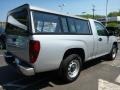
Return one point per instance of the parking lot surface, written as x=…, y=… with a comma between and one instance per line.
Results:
x=97, y=74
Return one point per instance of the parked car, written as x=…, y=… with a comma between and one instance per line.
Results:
x=2, y=39
x=40, y=40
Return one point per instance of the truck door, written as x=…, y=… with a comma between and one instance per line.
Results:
x=102, y=39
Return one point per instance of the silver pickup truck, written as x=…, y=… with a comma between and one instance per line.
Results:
x=40, y=40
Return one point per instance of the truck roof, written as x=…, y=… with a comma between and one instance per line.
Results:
x=43, y=10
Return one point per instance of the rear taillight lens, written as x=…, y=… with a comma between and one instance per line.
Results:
x=34, y=49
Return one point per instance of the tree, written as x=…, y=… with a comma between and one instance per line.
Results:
x=113, y=14
x=91, y=16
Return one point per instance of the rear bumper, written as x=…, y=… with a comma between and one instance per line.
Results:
x=28, y=71
x=25, y=68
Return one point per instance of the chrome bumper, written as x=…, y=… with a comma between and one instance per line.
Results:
x=24, y=67
x=26, y=71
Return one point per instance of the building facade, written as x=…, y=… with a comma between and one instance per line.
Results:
x=111, y=20
x=2, y=25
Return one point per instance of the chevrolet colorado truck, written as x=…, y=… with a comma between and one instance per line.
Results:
x=40, y=40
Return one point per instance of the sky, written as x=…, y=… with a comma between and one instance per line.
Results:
x=73, y=7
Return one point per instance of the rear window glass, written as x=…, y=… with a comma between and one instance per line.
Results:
x=19, y=19
x=17, y=22
x=46, y=22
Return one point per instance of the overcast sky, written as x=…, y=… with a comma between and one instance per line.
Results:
x=74, y=7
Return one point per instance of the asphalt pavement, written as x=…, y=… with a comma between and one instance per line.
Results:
x=97, y=74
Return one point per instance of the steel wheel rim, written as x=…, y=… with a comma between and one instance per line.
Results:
x=73, y=68
x=114, y=52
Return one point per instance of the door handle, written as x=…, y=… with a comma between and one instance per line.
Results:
x=100, y=39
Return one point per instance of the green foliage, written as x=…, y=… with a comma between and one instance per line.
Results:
x=112, y=24
x=113, y=14
x=91, y=16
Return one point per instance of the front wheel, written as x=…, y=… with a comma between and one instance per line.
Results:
x=112, y=55
x=70, y=68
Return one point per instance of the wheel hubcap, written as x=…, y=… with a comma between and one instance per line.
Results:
x=114, y=53
x=73, y=68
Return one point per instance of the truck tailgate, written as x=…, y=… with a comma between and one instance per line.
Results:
x=18, y=46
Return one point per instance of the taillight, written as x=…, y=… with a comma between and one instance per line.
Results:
x=34, y=49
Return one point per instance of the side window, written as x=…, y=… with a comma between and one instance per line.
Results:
x=101, y=30
x=82, y=26
x=64, y=24
x=71, y=25
x=46, y=22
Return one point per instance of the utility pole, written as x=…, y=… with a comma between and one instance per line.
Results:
x=106, y=12
x=93, y=10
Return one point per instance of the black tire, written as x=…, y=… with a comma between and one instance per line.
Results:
x=9, y=59
x=74, y=68
x=112, y=55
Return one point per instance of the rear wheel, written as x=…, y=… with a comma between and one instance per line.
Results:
x=70, y=68
x=9, y=59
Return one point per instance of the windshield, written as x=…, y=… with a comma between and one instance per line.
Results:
x=17, y=22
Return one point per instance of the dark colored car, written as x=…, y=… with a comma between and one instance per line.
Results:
x=2, y=39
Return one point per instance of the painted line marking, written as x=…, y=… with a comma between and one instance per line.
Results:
x=105, y=85
x=1, y=55
x=117, y=79
x=1, y=88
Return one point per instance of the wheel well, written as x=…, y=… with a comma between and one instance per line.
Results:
x=116, y=44
x=78, y=51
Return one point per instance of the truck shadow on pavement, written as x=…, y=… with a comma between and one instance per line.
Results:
x=10, y=79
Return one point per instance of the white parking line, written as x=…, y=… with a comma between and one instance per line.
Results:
x=1, y=88
x=1, y=55
x=105, y=85
x=117, y=79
